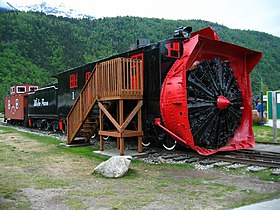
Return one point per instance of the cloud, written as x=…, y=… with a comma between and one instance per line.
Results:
x=259, y=15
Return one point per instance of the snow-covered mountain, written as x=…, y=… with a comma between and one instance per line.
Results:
x=50, y=8
x=5, y=6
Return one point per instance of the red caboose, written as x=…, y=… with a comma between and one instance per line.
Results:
x=16, y=103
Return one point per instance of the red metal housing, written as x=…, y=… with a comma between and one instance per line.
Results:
x=16, y=103
x=14, y=107
x=204, y=45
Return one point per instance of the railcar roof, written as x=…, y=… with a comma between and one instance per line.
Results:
x=92, y=64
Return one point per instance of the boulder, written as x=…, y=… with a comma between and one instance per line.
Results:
x=116, y=166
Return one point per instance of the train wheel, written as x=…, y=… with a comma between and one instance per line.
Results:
x=214, y=103
x=55, y=126
x=149, y=133
x=168, y=142
x=146, y=141
x=48, y=126
x=45, y=125
x=38, y=124
x=106, y=127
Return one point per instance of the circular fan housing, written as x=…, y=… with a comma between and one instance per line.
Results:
x=205, y=100
x=214, y=103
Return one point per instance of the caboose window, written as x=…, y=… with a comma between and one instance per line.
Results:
x=33, y=88
x=16, y=103
x=21, y=89
x=73, y=80
x=12, y=90
x=173, y=50
x=87, y=75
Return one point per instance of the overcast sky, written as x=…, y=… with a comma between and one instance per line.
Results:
x=259, y=15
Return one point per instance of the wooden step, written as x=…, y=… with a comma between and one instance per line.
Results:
x=82, y=134
x=85, y=130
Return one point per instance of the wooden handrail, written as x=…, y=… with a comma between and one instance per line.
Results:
x=112, y=79
x=81, y=107
x=120, y=77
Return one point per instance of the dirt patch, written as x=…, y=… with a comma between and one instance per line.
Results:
x=23, y=144
x=61, y=166
x=45, y=199
x=35, y=175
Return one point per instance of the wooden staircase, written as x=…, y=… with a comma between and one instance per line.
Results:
x=79, y=122
x=116, y=80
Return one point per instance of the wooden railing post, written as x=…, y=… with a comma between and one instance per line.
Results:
x=140, y=129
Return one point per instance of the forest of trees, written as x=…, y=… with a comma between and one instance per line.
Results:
x=34, y=46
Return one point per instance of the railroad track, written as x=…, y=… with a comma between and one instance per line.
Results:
x=268, y=143
x=253, y=160
x=250, y=157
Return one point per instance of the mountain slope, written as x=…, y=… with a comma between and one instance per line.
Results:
x=35, y=46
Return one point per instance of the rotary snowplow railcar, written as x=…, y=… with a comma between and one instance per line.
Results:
x=197, y=92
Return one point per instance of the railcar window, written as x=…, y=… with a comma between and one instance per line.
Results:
x=21, y=89
x=173, y=49
x=33, y=88
x=12, y=90
x=9, y=104
x=73, y=80
x=87, y=75
x=16, y=103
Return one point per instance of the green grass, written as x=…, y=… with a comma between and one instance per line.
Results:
x=264, y=133
x=7, y=129
x=266, y=176
x=74, y=203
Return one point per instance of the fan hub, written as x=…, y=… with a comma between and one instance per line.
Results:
x=222, y=102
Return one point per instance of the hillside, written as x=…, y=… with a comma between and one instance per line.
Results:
x=35, y=46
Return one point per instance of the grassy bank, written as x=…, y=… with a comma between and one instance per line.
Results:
x=265, y=133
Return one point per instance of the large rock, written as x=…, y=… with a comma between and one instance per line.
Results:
x=116, y=166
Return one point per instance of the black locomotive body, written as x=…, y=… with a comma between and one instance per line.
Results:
x=42, y=108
